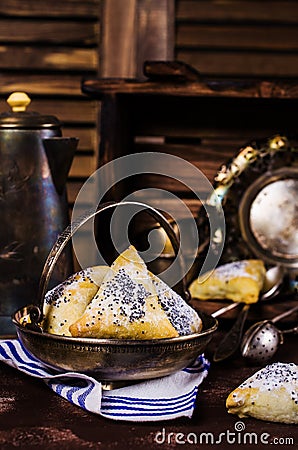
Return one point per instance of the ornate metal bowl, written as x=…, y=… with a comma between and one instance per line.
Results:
x=108, y=359
x=115, y=359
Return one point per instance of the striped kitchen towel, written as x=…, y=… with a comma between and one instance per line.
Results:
x=163, y=398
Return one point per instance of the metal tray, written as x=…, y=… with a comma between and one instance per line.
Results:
x=258, y=191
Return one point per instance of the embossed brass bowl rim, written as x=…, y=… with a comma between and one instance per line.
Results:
x=254, y=165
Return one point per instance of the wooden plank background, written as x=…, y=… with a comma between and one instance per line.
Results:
x=238, y=38
x=46, y=48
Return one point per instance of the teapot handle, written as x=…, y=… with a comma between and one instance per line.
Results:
x=67, y=234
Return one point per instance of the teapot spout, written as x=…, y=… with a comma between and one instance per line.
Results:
x=60, y=152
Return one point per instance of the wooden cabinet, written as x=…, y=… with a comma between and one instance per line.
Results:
x=48, y=47
x=204, y=121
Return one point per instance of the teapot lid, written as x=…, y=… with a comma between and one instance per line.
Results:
x=18, y=117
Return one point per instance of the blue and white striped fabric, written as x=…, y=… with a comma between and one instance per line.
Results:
x=163, y=398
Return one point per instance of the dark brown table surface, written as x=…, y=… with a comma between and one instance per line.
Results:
x=33, y=417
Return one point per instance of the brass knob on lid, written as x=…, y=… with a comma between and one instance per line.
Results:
x=18, y=101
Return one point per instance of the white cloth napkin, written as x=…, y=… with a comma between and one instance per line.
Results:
x=163, y=398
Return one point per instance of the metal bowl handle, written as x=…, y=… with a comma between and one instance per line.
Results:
x=67, y=234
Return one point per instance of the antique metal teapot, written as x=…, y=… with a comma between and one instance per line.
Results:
x=34, y=163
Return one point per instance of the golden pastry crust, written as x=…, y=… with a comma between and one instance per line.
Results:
x=126, y=305
x=65, y=303
x=181, y=315
x=270, y=394
x=240, y=281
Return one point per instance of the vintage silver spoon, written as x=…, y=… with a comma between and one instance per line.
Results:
x=228, y=346
x=262, y=340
